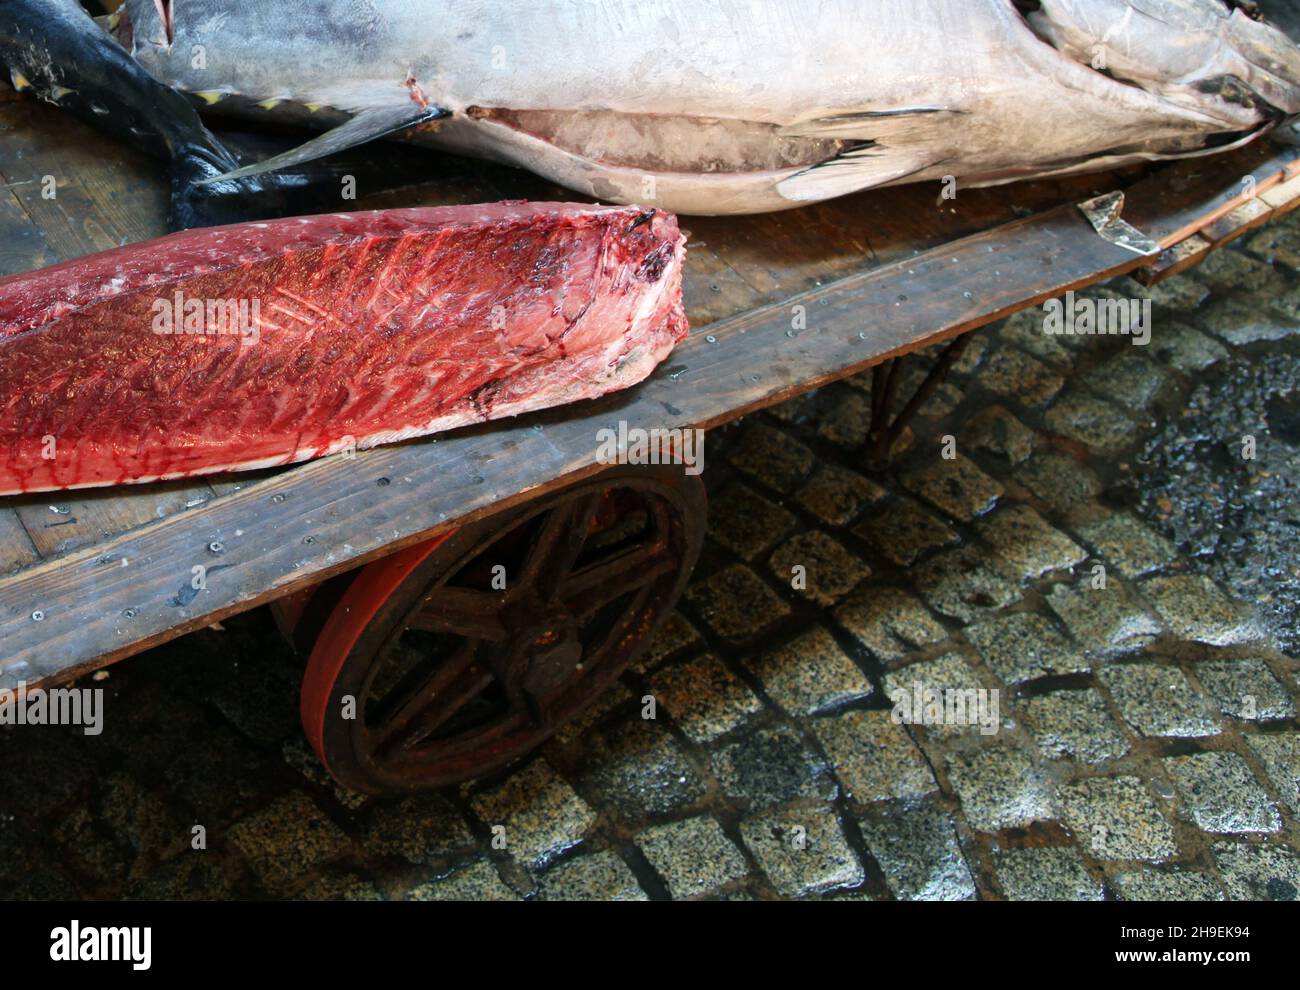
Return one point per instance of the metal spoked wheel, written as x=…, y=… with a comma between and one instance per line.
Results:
x=458, y=656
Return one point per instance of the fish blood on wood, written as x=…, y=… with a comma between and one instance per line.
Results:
x=253, y=345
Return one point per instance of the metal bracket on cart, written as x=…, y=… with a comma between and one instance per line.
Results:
x=885, y=428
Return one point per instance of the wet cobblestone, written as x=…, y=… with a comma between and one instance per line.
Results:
x=1245, y=689
x=1186, y=349
x=539, y=815
x=1222, y=794
x=1074, y=724
x=1092, y=422
x=1196, y=610
x=476, y=882
x=1022, y=646
x=999, y=432
x=1027, y=545
x=1150, y=884
x=917, y=849
x=1116, y=818
x=285, y=839
x=1158, y=700
x=748, y=524
x=889, y=622
x=837, y=496
x=704, y=698
x=693, y=857
x=1046, y=874
x=824, y=570
x=600, y=876
x=1103, y=619
x=956, y=487
x=1000, y=788
x=874, y=757
x=1096, y=550
x=904, y=532
x=966, y=584
x=810, y=675
x=1127, y=545
x=1259, y=872
x=802, y=853
x=1280, y=755
x=771, y=766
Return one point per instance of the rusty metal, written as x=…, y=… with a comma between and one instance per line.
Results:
x=463, y=656
x=884, y=431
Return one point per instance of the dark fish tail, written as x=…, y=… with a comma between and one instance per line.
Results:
x=57, y=50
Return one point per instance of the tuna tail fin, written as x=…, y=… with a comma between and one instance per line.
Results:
x=366, y=126
x=198, y=200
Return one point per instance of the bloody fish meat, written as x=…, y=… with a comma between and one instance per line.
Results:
x=260, y=344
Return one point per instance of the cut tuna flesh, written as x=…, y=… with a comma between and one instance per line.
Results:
x=253, y=345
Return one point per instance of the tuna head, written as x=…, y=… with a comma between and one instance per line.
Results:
x=1215, y=58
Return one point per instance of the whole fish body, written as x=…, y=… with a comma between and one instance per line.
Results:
x=741, y=106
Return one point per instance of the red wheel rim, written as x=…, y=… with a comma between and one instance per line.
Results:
x=423, y=676
x=367, y=592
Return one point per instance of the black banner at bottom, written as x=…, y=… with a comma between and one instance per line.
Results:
x=337, y=940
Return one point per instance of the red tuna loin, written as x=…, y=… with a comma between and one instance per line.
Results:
x=317, y=333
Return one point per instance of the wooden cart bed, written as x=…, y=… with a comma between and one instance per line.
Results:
x=89, y=578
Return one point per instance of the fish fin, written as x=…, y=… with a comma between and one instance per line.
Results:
x=197, y=203
x=861, y=168
x=882, y=126
x=360, y=129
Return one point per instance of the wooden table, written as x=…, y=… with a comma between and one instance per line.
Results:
x=90, y=578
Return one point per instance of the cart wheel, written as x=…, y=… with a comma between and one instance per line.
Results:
x=457, y=656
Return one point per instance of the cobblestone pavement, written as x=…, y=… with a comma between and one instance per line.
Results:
x=1099, y=552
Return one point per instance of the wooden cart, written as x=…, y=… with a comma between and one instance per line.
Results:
x=384, y=567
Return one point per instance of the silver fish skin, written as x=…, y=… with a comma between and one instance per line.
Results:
x=743, y=106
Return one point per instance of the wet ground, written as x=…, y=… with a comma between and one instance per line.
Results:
x=1112, y=551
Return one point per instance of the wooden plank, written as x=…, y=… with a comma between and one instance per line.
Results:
x=22, y=245
x=330, y=515
x=1214, y=212
x=1196, y=193
x=1245, y=218
x=105, y=195
x=1171, y=261
x=1283, y=198
x=60, y=522
x=229, y=484
x=784, y=253
x=16, y=549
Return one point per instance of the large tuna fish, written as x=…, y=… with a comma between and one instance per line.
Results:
x=736, y=106
x=266, y=343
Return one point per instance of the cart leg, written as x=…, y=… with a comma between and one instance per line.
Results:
x=884, y=430
x=458, y=656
